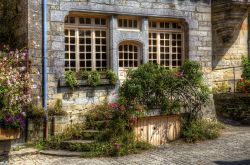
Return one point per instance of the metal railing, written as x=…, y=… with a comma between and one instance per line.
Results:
x=233, y=79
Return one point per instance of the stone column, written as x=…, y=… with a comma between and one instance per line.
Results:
x=113, y=49
x=145, y=42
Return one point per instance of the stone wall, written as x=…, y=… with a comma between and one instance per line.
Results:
x=230, y=40
x=234, y=106
x=35, y=44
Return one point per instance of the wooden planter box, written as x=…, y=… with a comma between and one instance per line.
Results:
x=158, y=130
x=9, y=134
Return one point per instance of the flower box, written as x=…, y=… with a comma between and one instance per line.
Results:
x=9, y=134
x=104, y=81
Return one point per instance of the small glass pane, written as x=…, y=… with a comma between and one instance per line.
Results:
x=72, y=20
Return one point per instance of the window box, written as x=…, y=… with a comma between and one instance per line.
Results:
x=9, y=134
x=104, y=81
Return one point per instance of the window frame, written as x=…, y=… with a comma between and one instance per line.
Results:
x=127, y=18
x=171, y=31
x=139, y=53
x=93, y=28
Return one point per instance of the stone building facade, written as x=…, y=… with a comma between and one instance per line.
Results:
x=213, y=33
x=194, y=17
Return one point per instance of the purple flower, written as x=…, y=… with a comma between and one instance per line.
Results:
x=20, y=118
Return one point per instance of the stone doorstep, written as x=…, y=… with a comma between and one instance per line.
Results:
x=91, y=131
x=24, y=152
x=79, y=141
x=61, y=153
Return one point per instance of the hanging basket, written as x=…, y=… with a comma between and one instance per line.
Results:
x=9, y=134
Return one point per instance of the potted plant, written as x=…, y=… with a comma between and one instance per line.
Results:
x=15, y=87
x=57, y=115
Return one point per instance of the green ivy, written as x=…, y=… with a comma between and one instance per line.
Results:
x=71, y=79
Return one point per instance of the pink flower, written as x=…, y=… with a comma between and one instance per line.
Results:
x=114, y=105
x=117, y=146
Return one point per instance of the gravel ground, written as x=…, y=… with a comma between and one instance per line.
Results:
x=232, y=148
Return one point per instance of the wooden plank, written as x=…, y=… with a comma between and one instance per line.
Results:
x=158, y=130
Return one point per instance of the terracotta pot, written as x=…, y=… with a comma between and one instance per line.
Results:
x=9, y=134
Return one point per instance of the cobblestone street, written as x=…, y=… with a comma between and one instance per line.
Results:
x=233, y=147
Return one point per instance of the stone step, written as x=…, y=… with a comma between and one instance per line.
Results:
x=61, y=153
x=98, y=125
x=79, y=141
x=91, y=134
x=64, y=153
x=77, y=145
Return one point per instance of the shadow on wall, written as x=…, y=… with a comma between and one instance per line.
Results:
x=227, y=21
x=241, y=162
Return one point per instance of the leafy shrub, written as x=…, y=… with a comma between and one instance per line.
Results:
x=71, y=79
x=74, y=131
x=153, y=86
x=56, y=109
x=35, y=111
x=222, y=88
x=246, y=68
x=115, y=139
x=199, y=130
x=93, y=77
x=243, y=86
x=112, y=77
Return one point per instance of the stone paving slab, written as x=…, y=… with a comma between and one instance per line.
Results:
x=232, y=148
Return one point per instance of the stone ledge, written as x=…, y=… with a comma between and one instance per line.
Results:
x=61, y=153
x=23, y=152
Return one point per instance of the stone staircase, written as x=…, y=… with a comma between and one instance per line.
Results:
x=80, y=147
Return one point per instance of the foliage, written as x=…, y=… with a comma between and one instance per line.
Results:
x=153, y=86
x=222, y=88
x=71, y=79
x=118, y=133
x=93, y=77
x=246, y=68
x=8, y=22
x=15, y=87
x=56, y=109
x=112, y=77
x=35, y=111
x=243, y=86
x=199, y=130
x=116, y=137
x=74, y=131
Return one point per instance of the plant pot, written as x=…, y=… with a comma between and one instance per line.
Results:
x=9, y=134
x=6, y=135
x=5, y=147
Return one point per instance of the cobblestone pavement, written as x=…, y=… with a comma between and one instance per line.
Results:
x=232, y=148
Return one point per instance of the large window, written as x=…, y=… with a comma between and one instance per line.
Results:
x=166, y=43
x=86, y=43
x=129, y=55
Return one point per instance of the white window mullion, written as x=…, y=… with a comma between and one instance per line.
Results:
x=93, y=50
x=77, y=50
x=158, y=43
x=170, y=50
